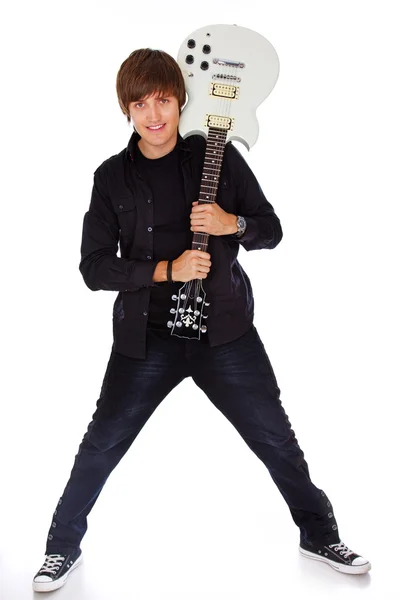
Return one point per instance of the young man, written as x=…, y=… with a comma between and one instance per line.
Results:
x=145, y=199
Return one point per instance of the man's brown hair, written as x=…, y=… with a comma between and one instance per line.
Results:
x=147, y=71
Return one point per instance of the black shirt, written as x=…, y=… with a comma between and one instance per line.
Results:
x=171, y=225
x=171, y=228
x=122, y=212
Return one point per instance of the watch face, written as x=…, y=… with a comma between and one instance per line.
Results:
x=241, y=223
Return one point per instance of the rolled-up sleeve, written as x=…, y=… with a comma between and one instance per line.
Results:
x=263, y=226
x=100, y=266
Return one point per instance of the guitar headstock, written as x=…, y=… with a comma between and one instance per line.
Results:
x=189, y=313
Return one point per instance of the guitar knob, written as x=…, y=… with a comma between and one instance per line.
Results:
x=172, y=310
x=196, y=313
x=194, y=326
x=169, y=324
x=183, y=296
x=174, y=297
x=179, y=324
x=181, y=311
x=203, y=329
x=199, y=299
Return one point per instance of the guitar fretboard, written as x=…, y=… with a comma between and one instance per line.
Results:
x=215, y=147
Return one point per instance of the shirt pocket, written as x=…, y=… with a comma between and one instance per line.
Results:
x=127, y=216
x=226, y=196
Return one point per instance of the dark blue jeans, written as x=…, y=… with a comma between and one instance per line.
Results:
x=239, y=380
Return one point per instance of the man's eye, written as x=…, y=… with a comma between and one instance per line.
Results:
x=137, y=103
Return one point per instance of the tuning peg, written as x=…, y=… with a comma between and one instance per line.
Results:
x=172, y=310
x=170, y=324
x=206, y=304
x=174, y=297
x=203, y=329
x=205, y=316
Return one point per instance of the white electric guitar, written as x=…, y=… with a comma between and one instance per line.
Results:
x=228, y=71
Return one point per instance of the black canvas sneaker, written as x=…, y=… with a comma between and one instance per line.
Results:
x=338, y=556
x=55, y=570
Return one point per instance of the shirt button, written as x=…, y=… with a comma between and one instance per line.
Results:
x=149, y=257
x=149, y=229
x=145, y=313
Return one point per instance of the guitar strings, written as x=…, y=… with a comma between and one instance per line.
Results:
x=203, y=237
x=223, y=109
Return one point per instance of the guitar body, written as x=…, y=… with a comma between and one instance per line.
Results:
x=252, y=68
x=228, y=71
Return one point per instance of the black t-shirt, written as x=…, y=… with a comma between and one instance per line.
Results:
x=171, y=227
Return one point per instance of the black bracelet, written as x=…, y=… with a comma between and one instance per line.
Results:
x=169, y=271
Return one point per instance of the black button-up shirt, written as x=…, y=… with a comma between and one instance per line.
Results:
x=121, y=212
x=171, y=227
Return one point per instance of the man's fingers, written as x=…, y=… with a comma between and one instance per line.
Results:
x=202, y=264
x=198, y=218
x=200, y=208
x=201, y=254
x=202, y=269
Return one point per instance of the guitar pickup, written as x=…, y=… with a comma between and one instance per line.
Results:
x=219, y=122
x=224, y=90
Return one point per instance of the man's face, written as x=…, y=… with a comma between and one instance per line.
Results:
x=151, y=111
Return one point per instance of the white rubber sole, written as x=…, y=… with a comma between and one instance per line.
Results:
x=356, y=570
x=54, y=585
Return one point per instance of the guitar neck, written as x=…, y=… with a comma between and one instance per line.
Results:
x=214, y=154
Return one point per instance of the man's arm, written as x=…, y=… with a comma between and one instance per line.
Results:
x=100, y=266
x=263, y=228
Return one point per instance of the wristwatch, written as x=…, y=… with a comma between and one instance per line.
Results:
x=241, y=225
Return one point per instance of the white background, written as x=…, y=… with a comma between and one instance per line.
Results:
x=191, y=512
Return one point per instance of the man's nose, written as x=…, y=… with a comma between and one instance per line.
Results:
x=154, y=113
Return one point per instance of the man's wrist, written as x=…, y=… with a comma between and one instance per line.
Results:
x=160, y=272
x=233, y=228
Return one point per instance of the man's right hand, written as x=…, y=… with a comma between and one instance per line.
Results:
x=192, y=264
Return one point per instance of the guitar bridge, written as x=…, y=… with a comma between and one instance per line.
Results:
x=225, y=62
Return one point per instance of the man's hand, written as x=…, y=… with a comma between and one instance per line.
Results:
x=192, y=264
x=212, y=219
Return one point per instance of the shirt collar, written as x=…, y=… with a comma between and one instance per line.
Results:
x=135, y=137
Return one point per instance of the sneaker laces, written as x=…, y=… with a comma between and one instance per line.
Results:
x=345, y=550
x=52, y=564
